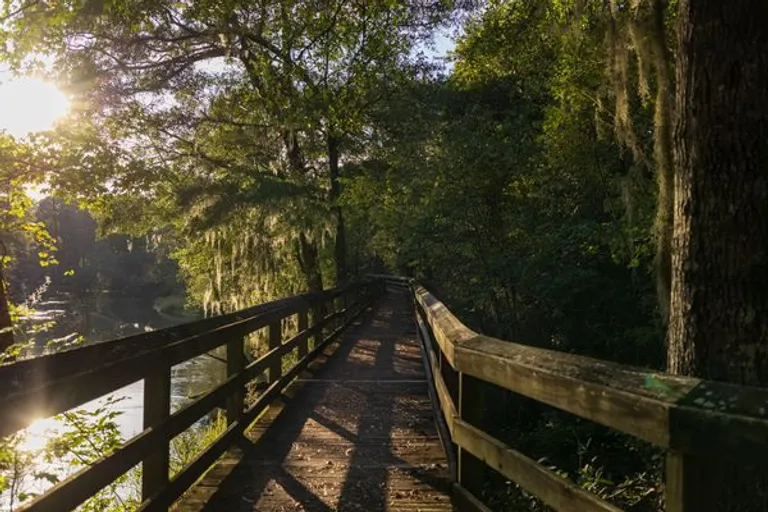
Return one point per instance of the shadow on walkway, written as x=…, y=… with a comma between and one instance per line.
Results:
x=358, y=436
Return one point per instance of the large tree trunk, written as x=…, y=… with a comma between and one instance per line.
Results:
x=6, y=326
x=340, y=249
x=719, y=301
x=719, y=323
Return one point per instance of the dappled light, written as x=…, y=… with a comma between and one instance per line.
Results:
x=357, y=434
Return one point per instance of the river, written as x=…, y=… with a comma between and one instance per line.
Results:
x=100, y=319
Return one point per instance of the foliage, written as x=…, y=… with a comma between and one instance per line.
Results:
x=89, y=435
x=15, y=465
x=188, y=445
x=88, y=263
x=238, y=110
x=17, y=168
x=501, y=189
x=79, y=439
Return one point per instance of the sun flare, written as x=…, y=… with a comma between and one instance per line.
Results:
x=37, y=435
x=29, y=105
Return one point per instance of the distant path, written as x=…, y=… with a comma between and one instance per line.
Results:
x=358, y=436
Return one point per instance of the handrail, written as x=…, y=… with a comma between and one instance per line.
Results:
x=437, y=395
x=55, y=383
x=688, y=417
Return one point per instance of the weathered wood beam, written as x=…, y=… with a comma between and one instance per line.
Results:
x=685, y=414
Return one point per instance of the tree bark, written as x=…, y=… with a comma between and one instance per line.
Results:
x=6, y=325
x=340, y=248
x=718, y=325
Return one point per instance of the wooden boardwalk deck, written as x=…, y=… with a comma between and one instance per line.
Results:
x=355, y=433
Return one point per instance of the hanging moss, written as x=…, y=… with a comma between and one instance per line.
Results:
x=640, y=63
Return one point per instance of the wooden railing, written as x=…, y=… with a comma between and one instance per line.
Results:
x=692, y=419
x=52, y=384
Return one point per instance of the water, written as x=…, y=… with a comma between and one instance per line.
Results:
x=99, y=319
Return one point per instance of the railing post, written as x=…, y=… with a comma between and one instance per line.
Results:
x=687, y=489
x=157, y=409
x=317, y=317
x=304, y=345
x=331, y=307
x=275, y=338
x=349, y=301
x=471, y=471
x=235, y=365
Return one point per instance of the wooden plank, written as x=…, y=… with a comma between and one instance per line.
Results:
x=446, y=403
x=466, y=501
x=74, y=490
x=53, y=397
x=471, y=471
x=342, y=447
x=275, y=337
x=569, y=383
x=558, y=493
x=686, y=414
x=394, y=282
x=448, y=331
x=686, y=488
x=444, y=424
x=51, y=384
x=157, y=409
x=235, y=365
x=190, y=473
x=34, y=372
x=206, y=487
x=317, y=319
x=302, y=326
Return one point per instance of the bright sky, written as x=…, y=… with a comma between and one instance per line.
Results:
x=443, y=44
x=29, y=105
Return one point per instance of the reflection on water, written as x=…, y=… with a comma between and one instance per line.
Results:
x=38, y=433
x=111, y=318
x=102, y=316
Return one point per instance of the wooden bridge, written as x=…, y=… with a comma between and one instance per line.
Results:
x=373, y=401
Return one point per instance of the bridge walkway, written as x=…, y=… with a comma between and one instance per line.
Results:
x=355, y=432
